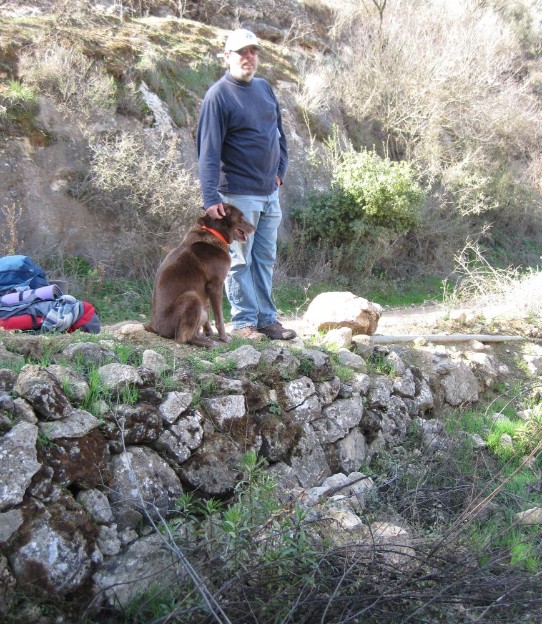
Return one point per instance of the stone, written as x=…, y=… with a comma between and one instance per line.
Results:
x=43, y=391
x=174, y=404
x=142, y=483
x=117, y=377
x=343, y=309
x=18, y=460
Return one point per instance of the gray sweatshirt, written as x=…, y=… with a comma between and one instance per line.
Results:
x=241, y=143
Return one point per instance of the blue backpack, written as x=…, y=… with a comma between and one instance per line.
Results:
x=20, y=272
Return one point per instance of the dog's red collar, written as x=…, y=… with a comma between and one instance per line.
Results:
x=216, y=233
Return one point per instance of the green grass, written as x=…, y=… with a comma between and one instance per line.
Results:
x=401, y=293
x=293, y=298
x=117, y=299
x=519, y=491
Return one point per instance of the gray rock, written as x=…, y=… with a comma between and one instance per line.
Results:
x=531, y=516
x=243, y=357
x=145, y=563
x=337, y=419
x=460, y=385
x=297, y=391
x=215, y=467
x=308, y=459
x=10, y=521
x=343, y=309
x=18, y=461
x=7, y=358
x=43, y=391
x=7, y=376
x=182, y=438
x=321, y=368
x=108, y=540
x=380, y=391
x=352, y=360
x=95, y=503
x=282, y=359
x=117, y=377
x=174, y=404
x=75, y=383
x=154, y=361
x=348, y=453
x=142, y=483
x=328, y=391
x=59, y=551
x=225, y=409
x=433, y=434
x=76, y=425
x=308, y=411
x=7, y=587
x=132, y=424
x=89, y=352
x=338, y=338
x=405, y=385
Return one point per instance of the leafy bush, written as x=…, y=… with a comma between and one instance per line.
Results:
x=371, y=200
x=367, y=193
x=384, y=193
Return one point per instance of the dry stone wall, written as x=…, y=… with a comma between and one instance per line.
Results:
x=79, y=489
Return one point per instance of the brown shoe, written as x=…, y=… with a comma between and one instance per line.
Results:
x=247, y=333
x=277, y=332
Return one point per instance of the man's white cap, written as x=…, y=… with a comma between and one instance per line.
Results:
x=240, y=38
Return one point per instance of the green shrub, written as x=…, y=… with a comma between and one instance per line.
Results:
x=384, y=193
x=368, y=194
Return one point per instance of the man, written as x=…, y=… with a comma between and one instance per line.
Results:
x=242, y=158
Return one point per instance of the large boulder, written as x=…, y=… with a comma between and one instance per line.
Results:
x=343, y=309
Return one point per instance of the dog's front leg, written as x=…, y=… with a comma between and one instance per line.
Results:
x=215, y=297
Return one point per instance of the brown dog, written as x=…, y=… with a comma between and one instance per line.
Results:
x=192, y=277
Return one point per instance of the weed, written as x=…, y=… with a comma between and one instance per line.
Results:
x=19, y=107
x=525, y=554
x=344, y=373
x=126, y=353
x=129, y=395
x=500, y=438
x=9, y=237
x=44, y=441
x=95, y=391
x=306, y=366
x=153, y=604
x=226, y=365
x=529, y=431
x=378, y=363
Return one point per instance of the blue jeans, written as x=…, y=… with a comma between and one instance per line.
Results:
x=250, y=280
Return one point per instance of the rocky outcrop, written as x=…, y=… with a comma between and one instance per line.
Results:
x=85, y=473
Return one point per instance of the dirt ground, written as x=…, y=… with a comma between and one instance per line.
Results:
x=437, y=319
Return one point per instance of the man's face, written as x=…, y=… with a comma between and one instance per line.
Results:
x=243, y=63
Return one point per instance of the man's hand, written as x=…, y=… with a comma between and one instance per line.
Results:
x=216, y=212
